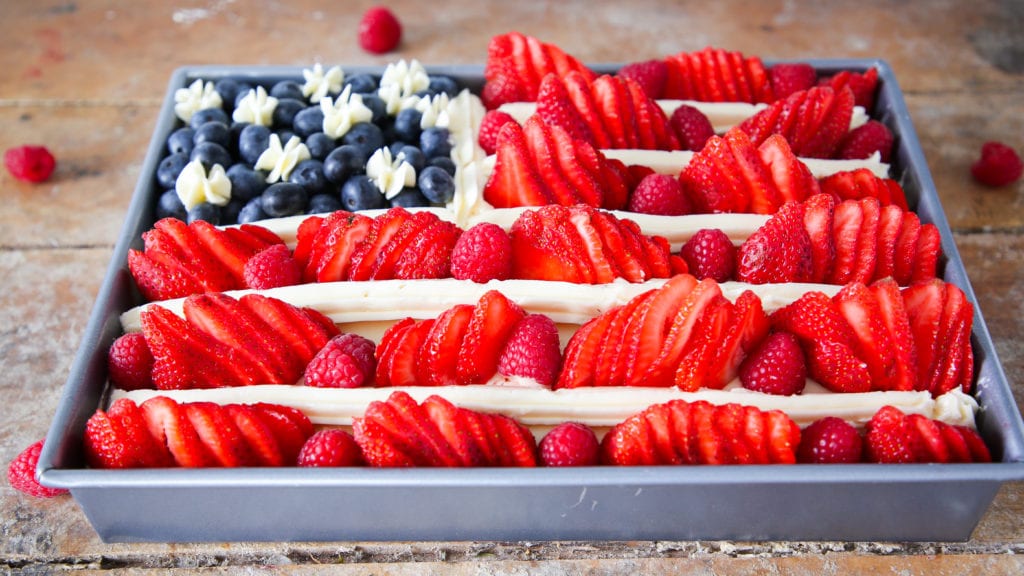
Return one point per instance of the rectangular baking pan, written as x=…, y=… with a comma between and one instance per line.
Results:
x=844, y=502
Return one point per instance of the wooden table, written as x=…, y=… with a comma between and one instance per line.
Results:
x=86, y=79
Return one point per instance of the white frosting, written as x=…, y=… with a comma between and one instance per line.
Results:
x=256, y=107
x=400, y=83
x=280, y=161
x=198, y=96
x=318, y=84
x=673, y=162
x=464, y=114
x=341, y=115
x=433, y=111
x=391, y=175
x=194, y=186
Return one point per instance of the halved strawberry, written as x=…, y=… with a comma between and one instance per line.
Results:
x=494, y=318
x=778, y=251
x=440, y=353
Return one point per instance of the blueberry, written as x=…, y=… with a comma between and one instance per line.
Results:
x=434, y=142
x=320, y=145
x=252, y=142
x=396, y=147
x=310, y=175
x=246, y=183
x=361, y=83
x=344, y=162
x=284, y=199
x=360, y=193
x=365, y=136
x=322, y=203
x=377, y=106
x=209, y=154
x=236, y=132
x=410, y=198
x=204, y=211
x=443, y=85
x=308, y=121
x=414, y=156
x=287, y=89
x=436, y=184
x=285, y=112
x=229, y=212
x=407, y=124
x=443, y=162
x=170, y=206
x=181, y=140
x=229, y=89
x=284, y=135
x=252, y=211
x=209, y=115
x=216, y=132
x=169, y=168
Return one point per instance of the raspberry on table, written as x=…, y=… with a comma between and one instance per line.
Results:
x=21, y=473
x=999, y=165
x=30, y=163
x=379, y=30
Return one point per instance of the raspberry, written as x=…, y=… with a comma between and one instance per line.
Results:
x=999, y=165
x=21, y=473
x=130, y=362
x=482, y=253
x=29, y=163
x=490, y=126
x=272, y=267
x=777, y=366
x=691, y=126
x=346, y=361
x=650, y=75
x=660, y=194
x=789, y=78
x=865, y=140
x=329, y=448
x=830, y=440
x=379, y=30
x=533, y=350
x=710, y=254
x=569, y=444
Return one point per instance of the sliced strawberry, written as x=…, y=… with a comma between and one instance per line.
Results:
x=926, y=260
x=213, y=273
x=890, y=221
x=106, y=445
x=846, y=233
x=658, y=421
x=429, y=253
x=169, y=423
x=333, y=245
x=858, y=305
x=519, y=443
x=581, y=352
x=396, y=433
x=580, y=92
x=582, y=166
x=604, y=269
x=867, y=242
x=617, y=347
x=160, y=276
x=701, y=349
x=514, y=180
x=450, y=424
x=232, y=247
x=289, y=426
x=401, y=362
x=397, y=244
x=616, y=112
x=863, y=85
x=906, y=248
x=417, y=419
x=556, y=109
x=385, y=227
x=891, y=438
x=894, y=316
x=778, y=251
x=819, y=218
x=940, y=318
x=218, y=432
x=711, y=179
x=440, y=353
x=812, y=121
x=748, y=325
x=765, y=197
x=791, y=176
x=543, y=152
x=537, y=251
x=304, y=330
x=140, y=448
x=304, y=240
x=656, y=320
x=677, y=342
x=494, y=318
x=484, y=436
x=653, y=130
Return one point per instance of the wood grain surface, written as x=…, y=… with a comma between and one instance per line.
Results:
x=86, y=79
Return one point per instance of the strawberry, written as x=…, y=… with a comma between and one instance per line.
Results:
x=694, y=371
x=864, y=141
x=346, y=361
x=940, y=319
x=709, y=253
x=401, y=366
x=874, y=341
x=906, y=248
x=556, y=108
x=184, y=357
x=514, y=181
x=482, y=253
x=679, y=432
x=272, y=267
x=169, y=423
x=819, y=219
x=580, y=357
x=30, y=163
x=863, y=85
x=516, y=64
x=494, y=320
x=160, y=276
x=217, y=431
x=620, y=343
x=532, y=350
x=894, y=316
x=830, y=440
x=21, y=474
x=791, y=176
x=329, y=448
x=999, y=165
x=928, y=250
x=305, y=330
x=748, y=326
x=332, y=247
x=730, y=175
x=570, y=444
x=490, y=126
x=862, y=183
x=691, y=127
x=373, y=252
x=616, y=110
x=439, y=355
x=130, y=362
x=670, y=329
x=778, y=251
x=714, y=75
x=581, y=92
x=541, y=143
x=776, y=366
x=787, y=78
x=812, y=121
x=660, y=194
x=895, y=437
x=379, y=30
x=429, y=253
x=650, y=75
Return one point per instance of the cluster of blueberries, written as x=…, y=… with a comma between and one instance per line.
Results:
x=332, y=179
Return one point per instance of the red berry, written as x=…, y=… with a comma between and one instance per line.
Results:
x=482, y=253
x=650, y=75
x=272, y=267
x=130, y=362
x=490, y=127
x=21, y=473
x=570, y=444
x=865, y=140
x=346, y=361
x=777, y=366
x=999, y=165
x=710, y=254
x=830, y=440
x=329, y=448
x=789, y=78
x=533, y=350
x=29, y=163
x=379, y=30
x=660, y=194
x=692, y=127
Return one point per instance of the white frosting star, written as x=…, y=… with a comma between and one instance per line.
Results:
x=281, y=160
x=390, y=175
x=198, y=96
x=319, y=84
x=256, y=107
x=434, y=111
x=399, y=84
x=194, y=186
x=340, y=116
